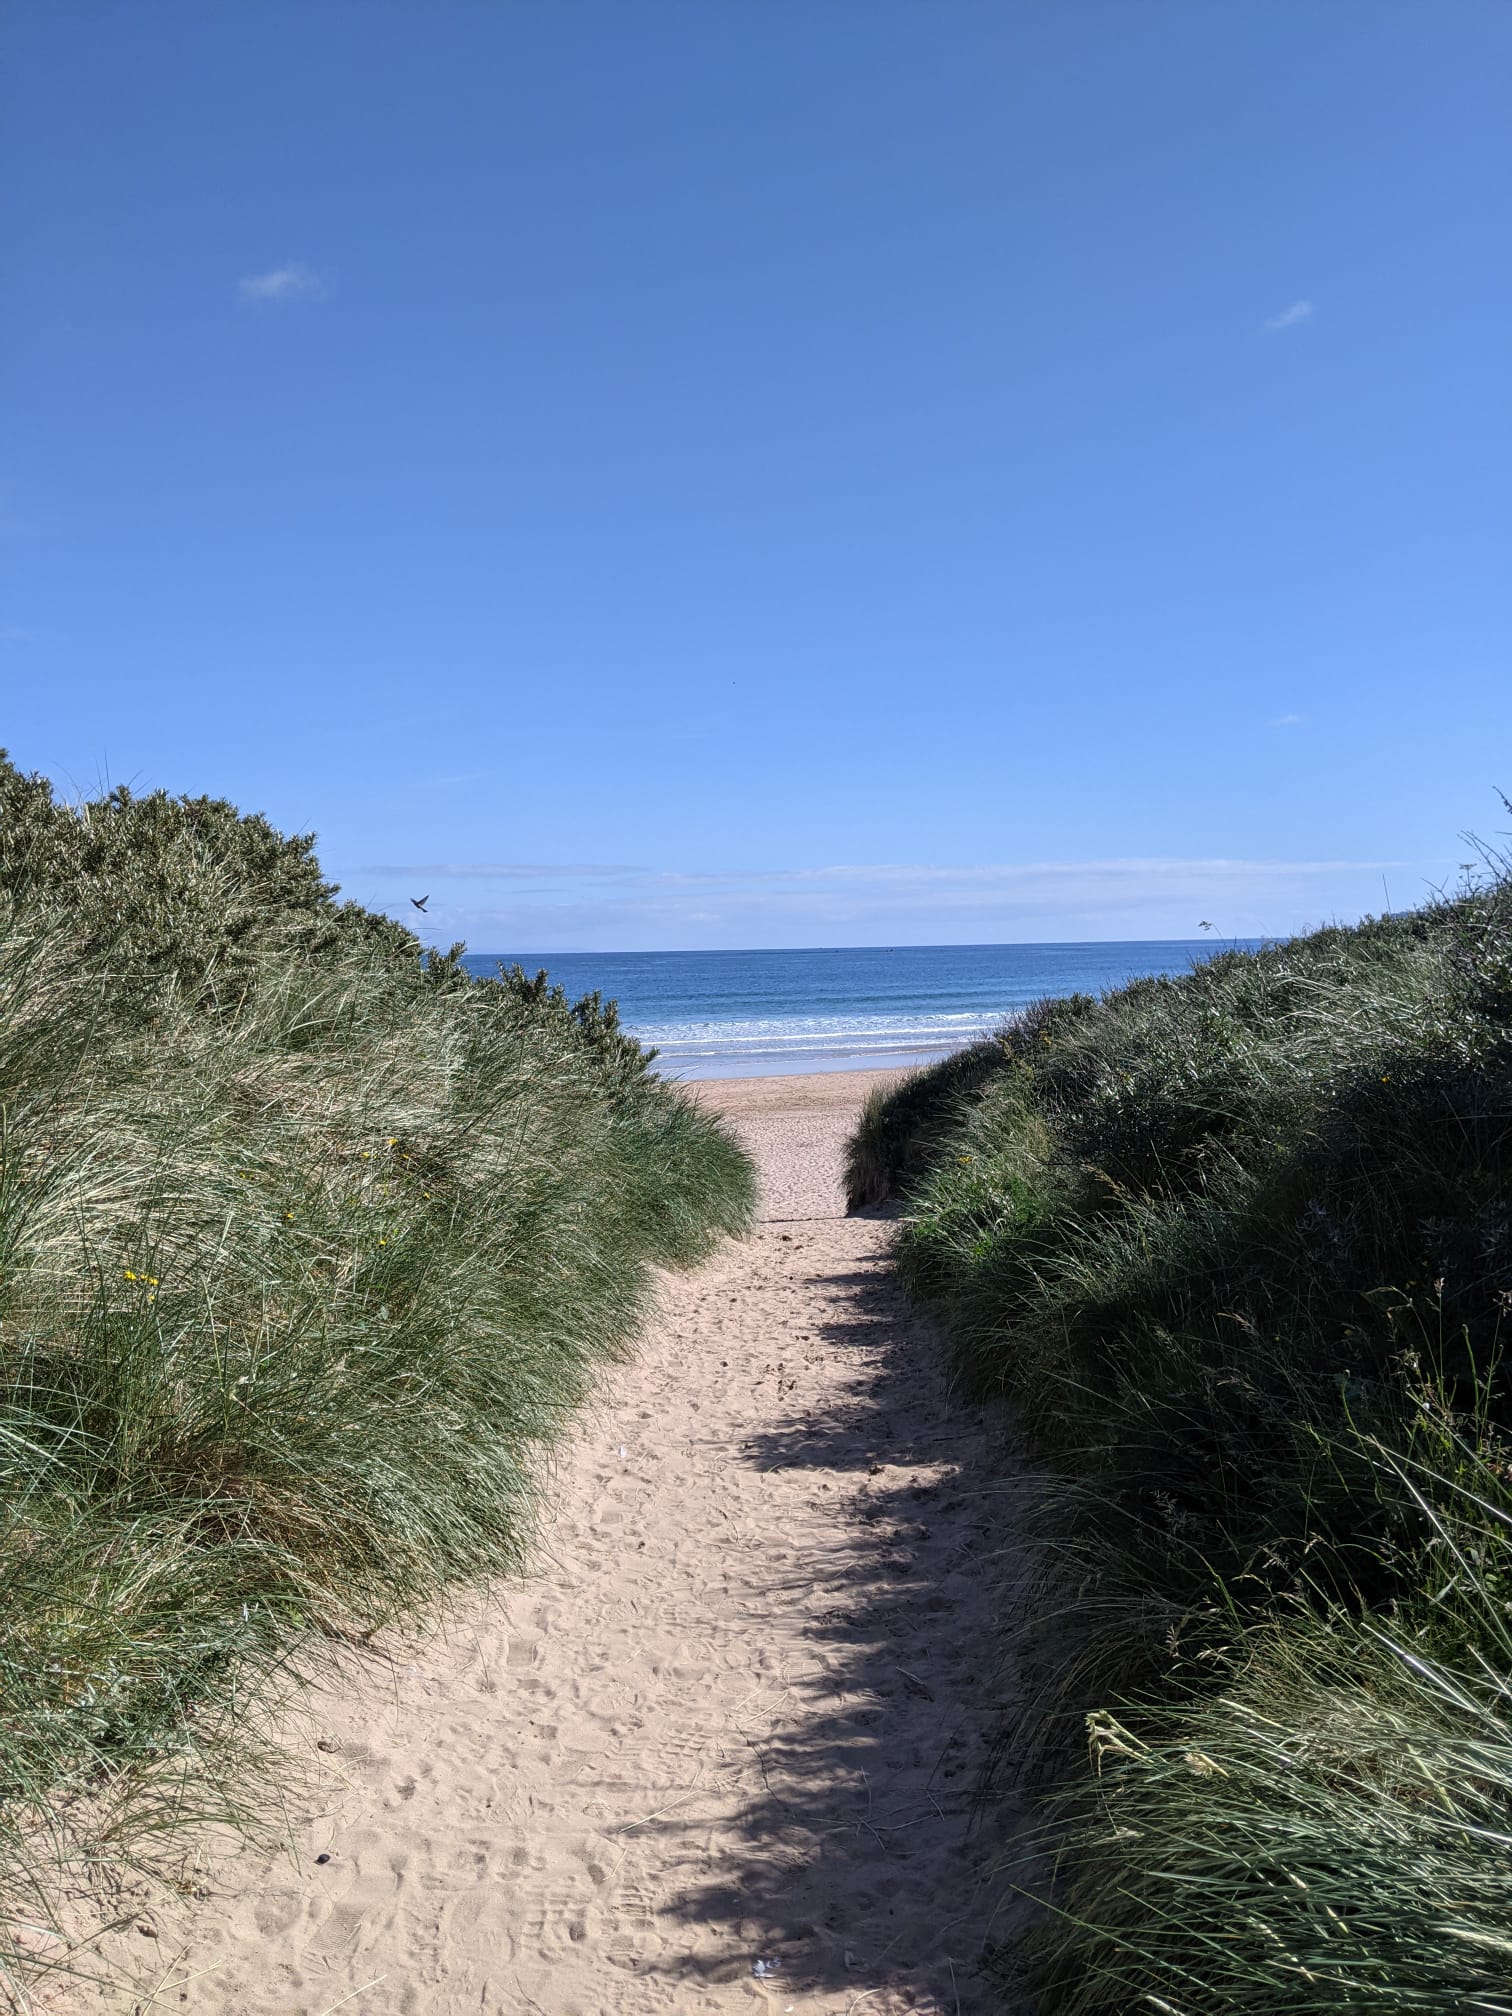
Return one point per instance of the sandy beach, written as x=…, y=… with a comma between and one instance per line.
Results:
x=719, y=1752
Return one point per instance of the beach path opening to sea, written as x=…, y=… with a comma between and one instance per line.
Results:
x=721, y=1750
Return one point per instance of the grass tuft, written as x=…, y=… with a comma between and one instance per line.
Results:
x=309, y=1249
x=1238, y=1247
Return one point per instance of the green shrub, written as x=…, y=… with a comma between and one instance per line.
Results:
x=899, y=1124
x=1329, y=1828
x=308, y=1250
x=1214, y=1236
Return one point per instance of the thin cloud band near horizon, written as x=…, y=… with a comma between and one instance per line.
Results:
x=852, y=872
x=624, y=907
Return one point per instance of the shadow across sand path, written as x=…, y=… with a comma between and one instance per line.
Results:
x=851, y=1866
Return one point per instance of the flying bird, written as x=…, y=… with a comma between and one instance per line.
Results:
x=419, y=901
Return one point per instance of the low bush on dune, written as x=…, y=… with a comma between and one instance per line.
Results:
x=308, y=1249
x=1238, y=1246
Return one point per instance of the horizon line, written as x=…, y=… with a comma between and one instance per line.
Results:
x=901, y=945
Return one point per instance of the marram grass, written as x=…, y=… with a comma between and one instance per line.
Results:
x=1238, y=1247
x=308, y=1252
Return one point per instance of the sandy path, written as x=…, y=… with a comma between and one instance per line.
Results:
x=719, y=1753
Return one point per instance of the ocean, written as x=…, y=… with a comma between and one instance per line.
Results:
x=743, y=1014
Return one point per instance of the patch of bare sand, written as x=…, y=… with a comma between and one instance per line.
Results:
x=720, y=1753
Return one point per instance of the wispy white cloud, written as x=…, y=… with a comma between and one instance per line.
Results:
x=496, y=905
x=892, y=874
x=284, y=283
x=1299, y=311
x=1288, y=721
x=498, y=871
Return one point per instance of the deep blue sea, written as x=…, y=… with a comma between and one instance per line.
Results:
x=739, y=1014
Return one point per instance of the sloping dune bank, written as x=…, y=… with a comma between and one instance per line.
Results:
x=720, y=1752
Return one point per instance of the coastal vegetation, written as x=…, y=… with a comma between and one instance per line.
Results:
x=309, y=1247
x=1237, y=1246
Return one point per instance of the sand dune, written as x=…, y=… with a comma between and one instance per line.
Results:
x=719, y=1753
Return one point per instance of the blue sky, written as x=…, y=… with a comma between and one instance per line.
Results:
x=700, y=472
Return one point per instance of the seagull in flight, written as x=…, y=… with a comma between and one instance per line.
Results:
x=419, y=901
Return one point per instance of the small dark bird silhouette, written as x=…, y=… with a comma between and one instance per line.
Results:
x=419, y=901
